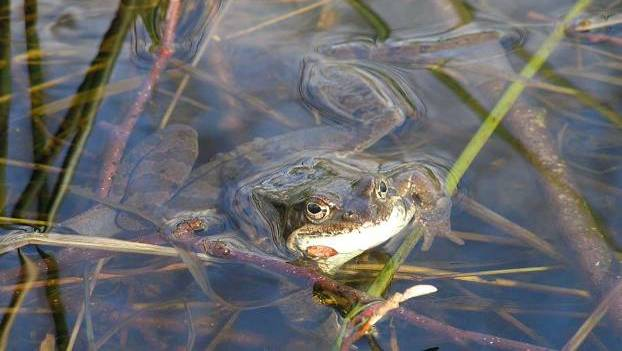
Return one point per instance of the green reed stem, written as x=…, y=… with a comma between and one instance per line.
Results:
x=509, y=98
x=380, y=26
x=463, y=10
x=382, y=281
x=80, y=116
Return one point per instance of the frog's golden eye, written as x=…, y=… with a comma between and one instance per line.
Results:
x=317, y=211
x=382, y=189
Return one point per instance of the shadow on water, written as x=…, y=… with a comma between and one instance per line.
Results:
x=279, y=153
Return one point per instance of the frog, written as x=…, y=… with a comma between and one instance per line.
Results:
x=315, y=193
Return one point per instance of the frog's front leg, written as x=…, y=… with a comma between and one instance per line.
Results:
x=148, y=176
x=183, y=232
x=187, y=226
x=368, y=102
x=423, y=188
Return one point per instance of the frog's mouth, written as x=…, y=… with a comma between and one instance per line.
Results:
x=332, y=242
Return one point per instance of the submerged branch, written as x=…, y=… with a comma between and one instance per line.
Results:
x=112, y=158
x=578, y=226
x=219, y=249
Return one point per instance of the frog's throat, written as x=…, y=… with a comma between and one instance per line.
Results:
x=353, y=241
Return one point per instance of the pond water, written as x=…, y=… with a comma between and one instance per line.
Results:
x=262, y=105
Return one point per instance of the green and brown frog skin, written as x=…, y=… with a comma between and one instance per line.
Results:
x=312, y=192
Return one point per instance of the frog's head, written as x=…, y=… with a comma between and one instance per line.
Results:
x=343, y=217
x=331, y=210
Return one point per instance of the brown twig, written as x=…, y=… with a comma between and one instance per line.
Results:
x=459, y=336
x=220, y=249
x=183, y=83
x=119, y=140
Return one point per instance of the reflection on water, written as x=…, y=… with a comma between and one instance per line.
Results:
x=417, y=96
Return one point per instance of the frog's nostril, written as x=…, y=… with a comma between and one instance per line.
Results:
x=349, y=215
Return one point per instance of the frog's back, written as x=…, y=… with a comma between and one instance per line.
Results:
x=362, y=106
x=225, y=172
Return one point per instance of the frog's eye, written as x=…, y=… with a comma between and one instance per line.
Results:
x=381, y=190
x=317, y=211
